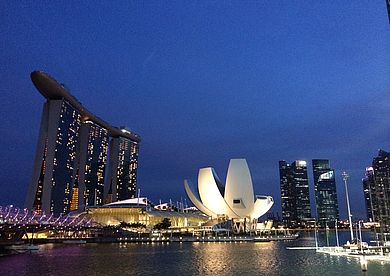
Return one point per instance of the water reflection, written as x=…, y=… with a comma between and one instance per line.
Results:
x=269, y=258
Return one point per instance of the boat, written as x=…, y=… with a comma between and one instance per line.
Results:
x=356, y=245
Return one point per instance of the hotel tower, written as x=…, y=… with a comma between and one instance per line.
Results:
x=79, y=156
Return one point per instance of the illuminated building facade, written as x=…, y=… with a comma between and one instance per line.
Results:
x=55, y=161
x=72, y=151
x=325, y=192
x=140, y=210
x=235, y=200
x=369, y=191
x=376, y=186
x=74, y=203
x=123, y=167
x=295, y=197
x=93, y=161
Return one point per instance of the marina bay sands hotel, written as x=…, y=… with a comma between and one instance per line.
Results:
x=81, y=160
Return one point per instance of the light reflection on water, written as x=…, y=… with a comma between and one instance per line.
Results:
x=269, y=258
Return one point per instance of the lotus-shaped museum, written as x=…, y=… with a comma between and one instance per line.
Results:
x=235, y=200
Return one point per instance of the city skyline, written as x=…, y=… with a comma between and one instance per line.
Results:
x=207, y=83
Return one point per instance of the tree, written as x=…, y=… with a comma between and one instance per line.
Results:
x=124, y=224
x=164, y=224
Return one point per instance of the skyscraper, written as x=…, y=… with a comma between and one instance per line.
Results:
x=72, y=151
x=369, y=193
x=294, y=188
x=93, y=161
x=123, y=167
x=376, y=185
x=325, y=192
x=55, y=160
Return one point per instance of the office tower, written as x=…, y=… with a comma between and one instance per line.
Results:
x=72, y=151
x=369, y=190
x=294, y=188
x=376, y=185
x=123, y=167
x=325, y=192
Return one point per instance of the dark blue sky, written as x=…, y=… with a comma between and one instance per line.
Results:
x=203, y=82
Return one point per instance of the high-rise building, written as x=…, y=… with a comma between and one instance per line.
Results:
x=55, y=161
x=325, y=192
x=369, y=191
x=376, y=186
x=123, y=167
x=294, y=188
x=72, y=153
x=93, y=161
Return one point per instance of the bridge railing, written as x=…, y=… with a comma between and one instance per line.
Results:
x=11, y=216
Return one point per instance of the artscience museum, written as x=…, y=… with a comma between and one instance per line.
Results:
x=235, y=200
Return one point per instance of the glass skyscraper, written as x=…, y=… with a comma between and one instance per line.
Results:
x=376, y=186
x=325, y=192
x=295, y=196
x=72, y=154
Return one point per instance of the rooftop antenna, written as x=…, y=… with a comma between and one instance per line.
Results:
x=345, y=176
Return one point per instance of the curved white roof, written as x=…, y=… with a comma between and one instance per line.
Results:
x=238, y=200
x=210, y=195
x=239, y=187
x=130, y=201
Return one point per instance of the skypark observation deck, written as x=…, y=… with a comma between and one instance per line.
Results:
x=52, y=90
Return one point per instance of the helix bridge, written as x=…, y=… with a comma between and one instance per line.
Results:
x=15, y=223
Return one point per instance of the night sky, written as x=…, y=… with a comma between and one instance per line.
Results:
x=203, y=82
